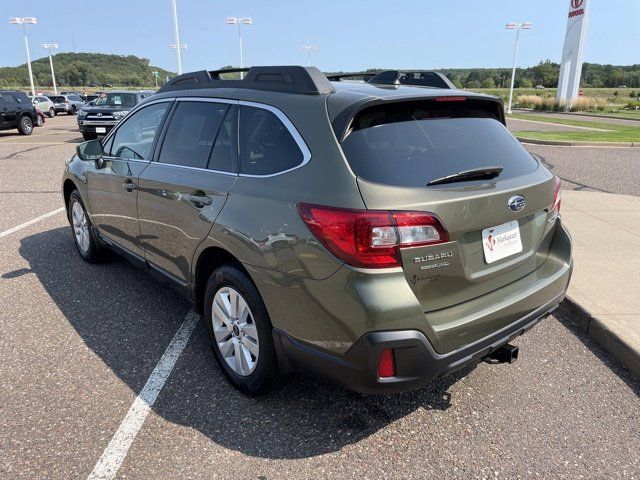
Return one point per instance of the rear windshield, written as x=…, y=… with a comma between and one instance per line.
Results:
x=409, y=144
x=117, y=100
x=58, y=99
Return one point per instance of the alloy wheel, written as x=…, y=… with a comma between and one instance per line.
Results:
x=80, y=227
x=235, y=332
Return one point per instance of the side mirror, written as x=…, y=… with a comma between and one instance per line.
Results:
x=91, y=151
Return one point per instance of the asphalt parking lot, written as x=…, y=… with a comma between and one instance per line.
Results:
x=78, y=343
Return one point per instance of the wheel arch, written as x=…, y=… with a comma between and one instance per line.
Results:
x=67, y=188
x=208, y=260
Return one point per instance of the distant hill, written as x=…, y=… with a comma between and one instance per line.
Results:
x=82, y=69
x=545, y=73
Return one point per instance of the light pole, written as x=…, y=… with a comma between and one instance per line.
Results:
x=49, y=46
x=517, y=27
x=177, y=37
x=239, y=21
x=26, y=21
x=183, y=46
x=308, y=49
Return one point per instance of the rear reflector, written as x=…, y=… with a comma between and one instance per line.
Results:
x=387, y=364
x=371, y=238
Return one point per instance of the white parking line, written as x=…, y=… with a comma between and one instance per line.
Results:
x=31, y=222
x=116, y=451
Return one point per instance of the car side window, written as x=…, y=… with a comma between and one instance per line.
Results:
x=191, y=133
x=266, y=145
x=134, y=137
x=224, y=156
x=9, y=99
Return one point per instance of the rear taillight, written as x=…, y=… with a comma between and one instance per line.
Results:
x=371, y=238
x=557, y=194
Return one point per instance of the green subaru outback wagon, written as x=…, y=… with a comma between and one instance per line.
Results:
x=377, y=235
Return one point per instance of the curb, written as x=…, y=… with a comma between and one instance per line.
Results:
x=577, y=114
x=573, y=143
x=613, y=117
x=611, y=342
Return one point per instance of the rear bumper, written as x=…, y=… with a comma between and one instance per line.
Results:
x=417, y=361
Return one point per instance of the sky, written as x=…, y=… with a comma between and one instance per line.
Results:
x=350, y=35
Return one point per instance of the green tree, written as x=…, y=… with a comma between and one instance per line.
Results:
x=488, y=83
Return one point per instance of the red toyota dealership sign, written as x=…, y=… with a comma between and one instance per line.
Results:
x=576, y=4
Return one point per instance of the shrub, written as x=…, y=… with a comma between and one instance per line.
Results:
x=580, y=104
x=588, y=104
x=529, y=101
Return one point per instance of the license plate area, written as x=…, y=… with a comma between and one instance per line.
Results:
x=501, y=241
x=101, y=130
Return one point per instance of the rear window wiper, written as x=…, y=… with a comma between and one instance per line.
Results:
x=465, y=175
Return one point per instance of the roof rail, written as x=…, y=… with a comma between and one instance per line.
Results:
x=420, y=78
x=285, y=79
x=364, y=76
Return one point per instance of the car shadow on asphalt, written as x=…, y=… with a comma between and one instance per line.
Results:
x=127, y=318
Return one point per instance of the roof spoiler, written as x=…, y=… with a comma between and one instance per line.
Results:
x=285, y=79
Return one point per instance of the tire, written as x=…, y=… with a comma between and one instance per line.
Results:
x=82, y=230
x=73, y=110
x=262, y=376
x=25, y=125
x=52, y=113
x=89, y=136
x=39, y=121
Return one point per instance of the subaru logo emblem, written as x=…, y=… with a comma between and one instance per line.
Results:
x=516, y=203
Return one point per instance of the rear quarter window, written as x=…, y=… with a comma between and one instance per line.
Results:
x=267, y=146
x=409, y=144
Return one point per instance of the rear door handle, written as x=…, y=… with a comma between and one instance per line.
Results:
x=129, y=186
x=199, y=200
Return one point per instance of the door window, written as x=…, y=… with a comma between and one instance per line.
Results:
x=191, y=133
x=134, y=138
x=9, y=99
x=266, y=145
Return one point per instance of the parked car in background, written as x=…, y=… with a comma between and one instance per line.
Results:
x=107, y=110
x=68, y=103
x=44, y=104
x=76, y=92
x=380, y=237
x=91, y=98
x=17, y=111
x=540, y=87
x=40, y=118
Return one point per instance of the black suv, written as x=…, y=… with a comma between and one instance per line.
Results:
x=17, y=111
x=107, y=110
